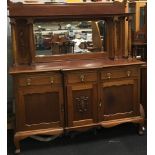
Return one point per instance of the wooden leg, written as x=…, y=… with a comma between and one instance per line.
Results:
x=141, y=128
x=17, y=144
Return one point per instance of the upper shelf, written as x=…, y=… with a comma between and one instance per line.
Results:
x=67, y=9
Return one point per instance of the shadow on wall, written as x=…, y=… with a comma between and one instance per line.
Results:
x=9, y=63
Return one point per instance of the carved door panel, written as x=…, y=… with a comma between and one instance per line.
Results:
x=40, y=107
x=119, y=99
x=82, y=104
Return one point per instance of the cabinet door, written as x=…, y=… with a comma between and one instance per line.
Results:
x=81, y=104
x=119, y=99
x=39, y=107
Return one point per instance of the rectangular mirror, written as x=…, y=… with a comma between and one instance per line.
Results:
x=66, y=37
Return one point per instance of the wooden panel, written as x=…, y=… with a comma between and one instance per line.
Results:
x=41, y=108
x=119, y=99
x=76, y=77
x=28, y=80
x=119, y=73
x=115, y=101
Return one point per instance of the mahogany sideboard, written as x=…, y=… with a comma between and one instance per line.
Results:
x=73, y=92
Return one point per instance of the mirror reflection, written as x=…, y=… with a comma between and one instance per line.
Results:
x=55, y=38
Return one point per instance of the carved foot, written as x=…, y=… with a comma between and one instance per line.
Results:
x=142, y=113
x=17, y=151
x=17, y=145
x=141, y=130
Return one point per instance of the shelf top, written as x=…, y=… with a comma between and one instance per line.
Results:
x=67, y=9
x=73, y=65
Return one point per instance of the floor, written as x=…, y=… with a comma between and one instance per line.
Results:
x=119, y=140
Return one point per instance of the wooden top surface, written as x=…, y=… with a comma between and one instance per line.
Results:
x=65, y=9
x=73, y=65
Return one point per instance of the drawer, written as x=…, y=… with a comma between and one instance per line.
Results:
x=119, y=73
x=50, y=79
x=77, y=77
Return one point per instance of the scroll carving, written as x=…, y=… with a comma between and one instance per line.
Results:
x=82, y=104
x=21, y=40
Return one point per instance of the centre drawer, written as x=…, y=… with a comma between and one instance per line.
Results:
x=79, y=77
x=119, y=73
x=40, y=79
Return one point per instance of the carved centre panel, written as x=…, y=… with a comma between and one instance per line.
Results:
x=82, y=103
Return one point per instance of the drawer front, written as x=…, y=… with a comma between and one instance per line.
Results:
x=48, y=79
x=79, y=77
x=119, y=73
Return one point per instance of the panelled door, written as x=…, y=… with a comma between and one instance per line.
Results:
x=40, y=102
x=81, y=99
x=119, y=94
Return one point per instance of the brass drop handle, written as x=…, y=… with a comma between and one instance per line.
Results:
x=82, y=78
x=128, y=73
x=109, y=75
x=52, y=80
x=28, y=82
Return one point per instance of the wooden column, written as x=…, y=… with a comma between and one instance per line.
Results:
x=129, y=37
x=14, y=41
x=121, y=41
x=109, y=37
x=31, y=41
x=115, y=40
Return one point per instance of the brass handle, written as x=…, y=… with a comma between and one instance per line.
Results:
x=28, y=81
x=52, y=80
x=128, y=73
x=82, y=77
x=109, y=75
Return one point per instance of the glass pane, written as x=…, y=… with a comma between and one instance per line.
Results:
x=66, y=37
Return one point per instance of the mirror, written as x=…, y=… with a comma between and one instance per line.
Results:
x=66, y=37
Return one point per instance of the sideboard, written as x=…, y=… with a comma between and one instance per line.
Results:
x=59, y=93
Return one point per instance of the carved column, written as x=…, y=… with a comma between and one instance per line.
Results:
x=115, y=22
x=129, y=37
x=31, y=41
x=109, y=37
x=121, y=37
x=21, y=43
x=14, y=41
